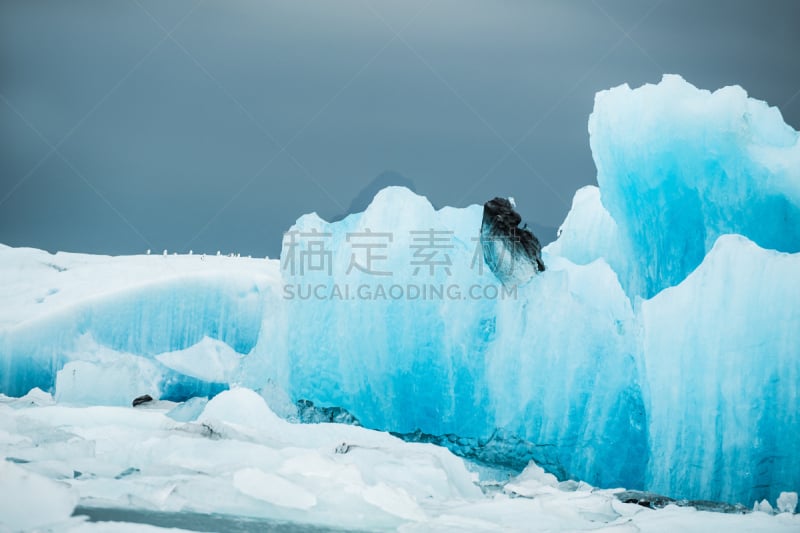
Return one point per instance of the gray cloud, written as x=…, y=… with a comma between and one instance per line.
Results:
x=186, y=150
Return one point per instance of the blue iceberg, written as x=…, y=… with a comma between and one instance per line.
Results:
x=659, y=349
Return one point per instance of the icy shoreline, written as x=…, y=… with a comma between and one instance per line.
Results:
x=240, y=464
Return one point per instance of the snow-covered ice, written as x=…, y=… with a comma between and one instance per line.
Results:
x=787, y=502
x=208, y=360
x=30, y=501
x=241, y=460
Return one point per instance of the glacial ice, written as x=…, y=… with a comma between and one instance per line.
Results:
x=658, y=351
x=678, y=167
x=31, y=501
x=107, y=383
x=723, y=374
x=208, y=360
x=242, y=467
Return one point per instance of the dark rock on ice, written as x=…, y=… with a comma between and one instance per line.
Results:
x=142, y=399
x=500, y=450
x=127, y=472
x=657, y=501
x=645, y=499
x=210, y=432
x=513, y=253
x=308, y=413
x=57, y=268
x=716, y=507
x=343, y=448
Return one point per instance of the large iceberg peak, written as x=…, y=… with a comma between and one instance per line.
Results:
x=390, y=205
x=678, y=167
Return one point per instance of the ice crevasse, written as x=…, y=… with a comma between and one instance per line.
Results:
x=659, y=350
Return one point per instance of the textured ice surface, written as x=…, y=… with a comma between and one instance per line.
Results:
x=30, y=501
x=529, y=363
x=787, y=502
x=722, y=371
x=241, y=465
x=188, y=410
x=658, y=351
x=208, y=360
x=376, y=354
x=678, y=167
x=134, y=305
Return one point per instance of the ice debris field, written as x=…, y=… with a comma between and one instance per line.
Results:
x=658, y=351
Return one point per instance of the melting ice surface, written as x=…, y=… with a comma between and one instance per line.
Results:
x=660, y=349
x=236, y=466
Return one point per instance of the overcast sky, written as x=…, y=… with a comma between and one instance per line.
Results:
x=135, y=124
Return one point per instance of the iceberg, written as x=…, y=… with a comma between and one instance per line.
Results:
x=659, y=350
x=208, y=360
x=678, y=167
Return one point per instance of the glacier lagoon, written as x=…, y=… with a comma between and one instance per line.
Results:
x=660, y=350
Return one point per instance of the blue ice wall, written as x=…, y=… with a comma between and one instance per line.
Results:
x=563, y=373
x=387, y=345
x=552, y=362
x=721, y=360
x=152, y=319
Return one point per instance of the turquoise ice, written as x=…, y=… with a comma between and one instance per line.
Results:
x=660, y=349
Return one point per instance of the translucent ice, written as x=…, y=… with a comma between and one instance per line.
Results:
x=207, y=360
x=110, y=382
x=678, y=167
x=189, y=410
x=658, y=351
x=142, y=305
x=720, y=364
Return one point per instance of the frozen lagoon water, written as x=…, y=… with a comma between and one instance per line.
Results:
x=192, y=521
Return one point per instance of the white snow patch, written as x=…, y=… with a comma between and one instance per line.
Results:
x=272, y=489
x=208, y=360
x=30, y=501
x=787, y=502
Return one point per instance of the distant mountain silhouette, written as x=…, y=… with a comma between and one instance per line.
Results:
x=545, y=234
x=365, y=196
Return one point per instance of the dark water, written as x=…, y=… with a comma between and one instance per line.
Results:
x=199, y=521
